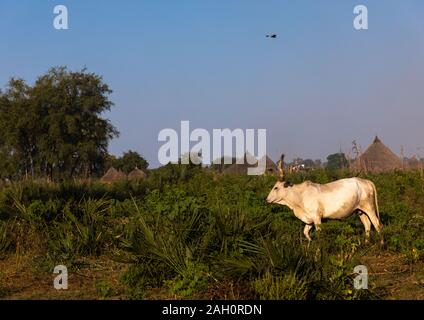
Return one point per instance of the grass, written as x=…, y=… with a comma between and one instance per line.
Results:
x=186, y=235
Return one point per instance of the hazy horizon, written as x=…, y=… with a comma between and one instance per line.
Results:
x=317, y=87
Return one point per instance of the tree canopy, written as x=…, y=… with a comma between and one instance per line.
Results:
x=55, y=127
x=337, y=161
x=128, y=162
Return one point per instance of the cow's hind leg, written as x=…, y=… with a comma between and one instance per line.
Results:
x=371, y=212
x=306, y=230
x=367, y=224
x=372, y=215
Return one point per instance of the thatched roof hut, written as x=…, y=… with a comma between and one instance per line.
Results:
x=378, y=158
x=222, y=163
x=113, y=175
x=271, y=167
x=237, y=168
x=137, y=174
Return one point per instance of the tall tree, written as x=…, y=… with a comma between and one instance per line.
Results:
x=129, y=161
x=55, y=127
x=337, y=161
x=19, y=125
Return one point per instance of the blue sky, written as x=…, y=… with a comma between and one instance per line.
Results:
x=317, y=87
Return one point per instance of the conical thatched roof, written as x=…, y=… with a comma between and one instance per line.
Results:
x=271, y=167
x=137, y=174
x=222, y=163
x=378, y=158
x=113, y=175
x=237, y=168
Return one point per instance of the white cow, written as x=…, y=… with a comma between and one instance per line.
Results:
x=312, y=202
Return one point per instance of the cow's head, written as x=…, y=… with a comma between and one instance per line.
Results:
x=280, y=190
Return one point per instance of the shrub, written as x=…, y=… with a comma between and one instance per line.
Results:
x=286, y=287
x=104, y=289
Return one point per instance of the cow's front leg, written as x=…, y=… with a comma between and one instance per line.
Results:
x=306, y=230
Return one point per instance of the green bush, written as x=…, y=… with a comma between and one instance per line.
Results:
x=286, y=287
x=193, y=279
x=104, y=289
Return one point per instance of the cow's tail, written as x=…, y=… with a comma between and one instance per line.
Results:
x=375, y=200
x=380, y=225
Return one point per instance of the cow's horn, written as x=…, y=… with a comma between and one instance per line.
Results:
x=281, y=167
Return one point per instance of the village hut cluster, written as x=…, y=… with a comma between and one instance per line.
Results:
x=376, y=158
x=379, y=158
x=251, y=162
